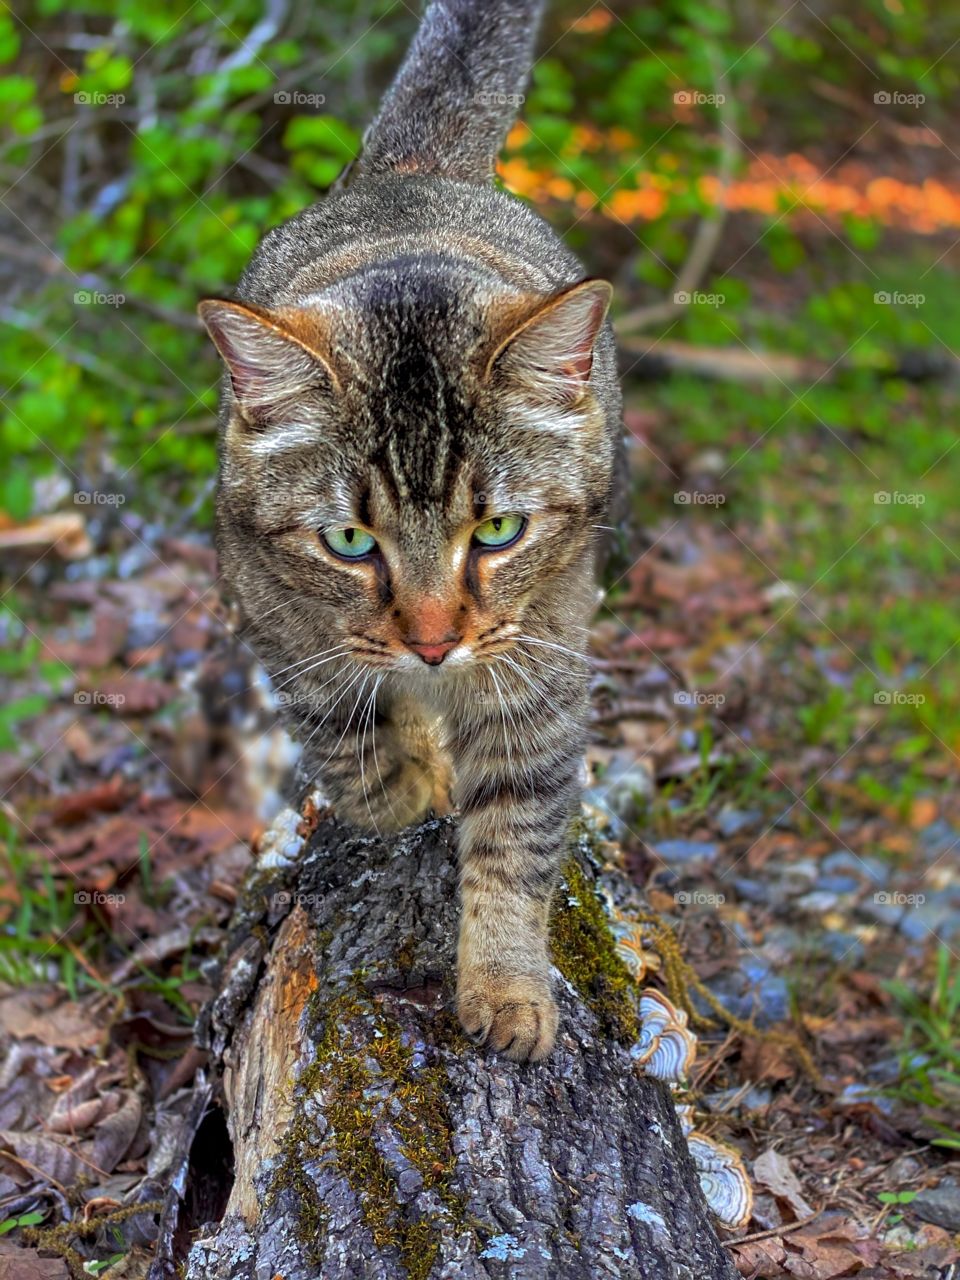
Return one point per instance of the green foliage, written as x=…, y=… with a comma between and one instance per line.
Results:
x=24, y=1220
x=930, y=1057
x=193, y=144
x=146, y=149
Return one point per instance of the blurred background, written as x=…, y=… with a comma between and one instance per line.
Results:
x=774, y=189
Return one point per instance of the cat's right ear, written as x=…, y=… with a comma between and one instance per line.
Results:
x=267, y=358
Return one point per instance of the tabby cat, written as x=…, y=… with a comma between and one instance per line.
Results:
x=420, y=424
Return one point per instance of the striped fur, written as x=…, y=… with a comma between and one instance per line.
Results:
x=411, y=356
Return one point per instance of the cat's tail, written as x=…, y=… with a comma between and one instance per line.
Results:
x=457, y=92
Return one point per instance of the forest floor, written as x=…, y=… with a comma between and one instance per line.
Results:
x=775, y=746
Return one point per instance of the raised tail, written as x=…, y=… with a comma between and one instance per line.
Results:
x=457, y=92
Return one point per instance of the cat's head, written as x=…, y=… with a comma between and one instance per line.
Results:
x=411, y=466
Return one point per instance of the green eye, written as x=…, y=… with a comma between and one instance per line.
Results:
x=350, y=543
x=499, y=531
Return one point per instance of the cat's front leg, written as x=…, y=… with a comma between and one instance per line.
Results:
x=515, y=789
x=378, y=759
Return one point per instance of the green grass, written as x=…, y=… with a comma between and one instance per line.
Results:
x=871, y=585
x=930, y=1054
x=43, y=934
x=33, y=940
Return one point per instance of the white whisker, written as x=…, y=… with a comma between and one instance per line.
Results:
x=349, y=719
x=376, y=762
x=351, y=684
x=323, y=653
x=558, y=648
x=297, y=675
x=367, y=719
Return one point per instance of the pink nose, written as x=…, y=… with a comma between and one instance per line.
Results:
x=433, y=654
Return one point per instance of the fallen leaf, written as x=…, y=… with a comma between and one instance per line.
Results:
x=760, y=1259
x=64, y=533
x=764, y=1060
x=135, y=695
x=46, y=1015
x=27, y=1156
x=103, y=798
x=773, y=1171
x=20, y=1263
x=115, y=1135
x=923, y=811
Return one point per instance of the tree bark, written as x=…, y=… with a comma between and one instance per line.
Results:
x=370, y=1139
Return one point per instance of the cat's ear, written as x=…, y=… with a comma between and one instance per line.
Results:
x=550, y=352
x=271, y=356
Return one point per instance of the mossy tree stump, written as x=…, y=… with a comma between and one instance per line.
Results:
x=371, y=1139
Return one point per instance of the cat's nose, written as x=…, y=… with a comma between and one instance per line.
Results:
x=433, y=652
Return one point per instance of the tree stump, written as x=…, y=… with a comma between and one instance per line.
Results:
x=369, y=1139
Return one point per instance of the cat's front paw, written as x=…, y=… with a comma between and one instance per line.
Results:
x=517, y=1016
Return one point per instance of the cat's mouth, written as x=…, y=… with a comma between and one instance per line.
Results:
x=444, y=650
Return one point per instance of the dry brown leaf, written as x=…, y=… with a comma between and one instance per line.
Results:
x=760, y=1259
x=25, y=1157
x=20, y=1263
x=115, y=1135
x=773, y=1171
x=135, y=695
x=65, y=533
x=923, y=811
x=764, y=1060
x=828, y=1257
x=45, y=1014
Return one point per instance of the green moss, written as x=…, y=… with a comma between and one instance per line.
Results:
x=363, y=1092
x=57, y=1240
x=585, y=953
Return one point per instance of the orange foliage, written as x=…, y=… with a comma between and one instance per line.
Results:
x=791, y=185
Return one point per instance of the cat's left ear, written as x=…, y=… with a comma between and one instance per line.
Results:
x=550, y=353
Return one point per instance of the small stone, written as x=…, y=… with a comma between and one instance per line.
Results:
x=818, y=902
x=939, y=1205
x=843, y=946
x=731, y=822
x=854, y=1095
x=766, y=1000
x=686, y=851
x=755, y=1099
x=751, y=891
x=938, y=839
x=842, y=861
x=839, y=884
x=623, y=791
x=936, y=915
x=409, y=1182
